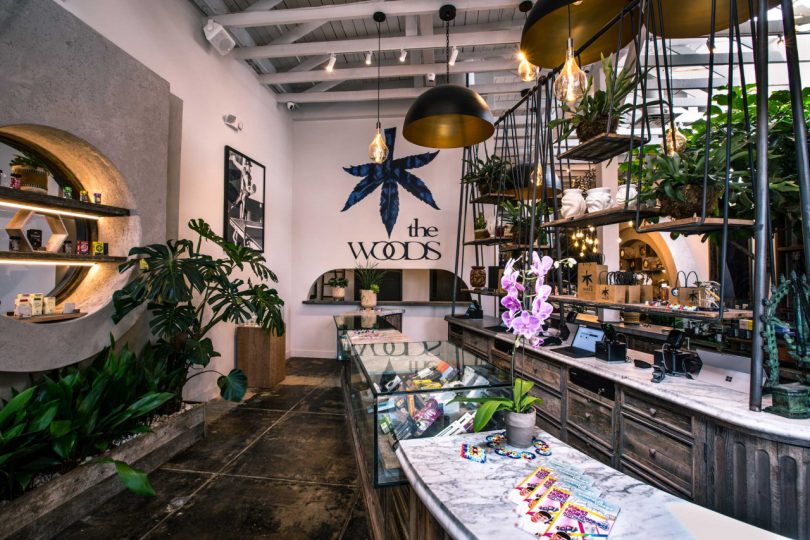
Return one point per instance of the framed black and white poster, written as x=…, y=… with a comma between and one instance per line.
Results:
x=244, y=200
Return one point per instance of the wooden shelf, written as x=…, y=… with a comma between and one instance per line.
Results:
x=57, y=204
x=728, y=314
x=523, y=247
x=493, y=198
x=484, y=292
x=602, y=147
x=609, y=216
x=491, y=241
x=57, y=258
x=693, y=225
x=513, y=195
x=55, y=317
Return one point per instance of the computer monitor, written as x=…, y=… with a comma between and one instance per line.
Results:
x=586, y=338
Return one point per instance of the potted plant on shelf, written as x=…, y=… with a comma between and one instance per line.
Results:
x=188, y=293
x=488, y=175
x=368, y=278
x=592, y=114
x=527, y=310
x=677, y=183
x=480, y=226
x=519, y=217
x=30, y=171
x=338, y=288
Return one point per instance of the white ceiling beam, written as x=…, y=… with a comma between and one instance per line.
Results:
x=296, y=33
x=354, y=10
x=310, y=63
x=261, y=5
x=390, y=93
x=467, y=39
x=386, y=72
x=323, y=87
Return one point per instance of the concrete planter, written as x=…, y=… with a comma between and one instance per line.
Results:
x=339, y=293
x=44, y=512
x=519, y=429
x=368, y=299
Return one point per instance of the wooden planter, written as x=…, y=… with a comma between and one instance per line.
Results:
x=45, y=511
x=261, y=355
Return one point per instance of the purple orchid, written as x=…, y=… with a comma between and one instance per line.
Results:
x=526, y=325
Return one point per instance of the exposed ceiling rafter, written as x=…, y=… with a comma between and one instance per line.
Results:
x=390, y=93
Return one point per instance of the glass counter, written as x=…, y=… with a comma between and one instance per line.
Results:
x=406, y=390
x=364, y=320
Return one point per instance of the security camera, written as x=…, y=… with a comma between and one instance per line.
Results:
x=291, y=106
x=430, y=79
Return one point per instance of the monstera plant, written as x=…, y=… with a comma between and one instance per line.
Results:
x=188, y=293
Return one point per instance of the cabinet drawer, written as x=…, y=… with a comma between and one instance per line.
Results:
x=548, y=426
x=584, y=444
x=552, y=404
x=590, y=384
x=476, y=342
x=591, y=417
x=656, y=453
x=544, y=371
x=636, y=472
x=500, y=360
x=658, y=412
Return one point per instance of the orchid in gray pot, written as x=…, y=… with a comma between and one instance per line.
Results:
x=527, y=309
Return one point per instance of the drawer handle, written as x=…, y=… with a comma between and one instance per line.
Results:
x=653, y=411
x=587, y=416
x=653, y=452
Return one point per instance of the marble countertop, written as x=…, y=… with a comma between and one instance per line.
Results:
x=468, y=498
x=711, y=400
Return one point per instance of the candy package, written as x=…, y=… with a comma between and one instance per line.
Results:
x=584, y=518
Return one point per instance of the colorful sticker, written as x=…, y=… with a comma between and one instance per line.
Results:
x=473, y=453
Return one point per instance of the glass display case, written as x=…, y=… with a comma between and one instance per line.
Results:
x=407, y=390
x=364, y=320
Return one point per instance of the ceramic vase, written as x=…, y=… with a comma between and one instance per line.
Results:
x=573, y=204
x=598, y=199
x=621, y=195
x=338, y=293
x=520, y=428
x=478, y=277
x=368, y=299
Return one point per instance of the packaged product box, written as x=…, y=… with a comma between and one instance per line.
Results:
x=634, y=294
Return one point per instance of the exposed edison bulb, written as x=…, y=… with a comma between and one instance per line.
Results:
x=675, y=142
x=526, y=70
x=378, y=150
x=569, y=86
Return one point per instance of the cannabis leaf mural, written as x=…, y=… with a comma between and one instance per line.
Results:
x=390, y=175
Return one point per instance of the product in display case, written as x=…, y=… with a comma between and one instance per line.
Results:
x=355, y=324
x=402, y=390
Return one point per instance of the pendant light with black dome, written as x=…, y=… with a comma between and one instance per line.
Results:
x=378, y=150
x=448, y=116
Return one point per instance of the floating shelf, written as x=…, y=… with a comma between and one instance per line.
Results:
x=609, y=216
x=491, y=241
x=728, y=314
x=55, y=317
x=694, y=225
x=523, y=247
x=512, y=195
x=483, y=292
x=56, y=259
x=603, y=147
x=32, y=200
x=493, y=198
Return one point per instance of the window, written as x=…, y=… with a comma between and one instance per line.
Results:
x=390, y=287
x=441, y=287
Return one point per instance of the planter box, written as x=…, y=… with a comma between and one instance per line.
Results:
x=45, y=511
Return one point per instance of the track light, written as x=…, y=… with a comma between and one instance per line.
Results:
x=330, y=65
x=403, y=54
x=368, y=58
x=453, y=56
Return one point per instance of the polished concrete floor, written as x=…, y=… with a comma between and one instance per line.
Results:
x=279, y=465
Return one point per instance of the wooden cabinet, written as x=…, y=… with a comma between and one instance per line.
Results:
x=591, y=417
x=261, y=355
x=658, y=412
x=544, y=371
x=476, y=342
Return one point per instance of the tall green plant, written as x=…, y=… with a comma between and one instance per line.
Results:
x=369, y=277
x=491, y=174
x=188, y=293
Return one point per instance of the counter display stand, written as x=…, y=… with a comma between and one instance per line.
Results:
x=403, y=390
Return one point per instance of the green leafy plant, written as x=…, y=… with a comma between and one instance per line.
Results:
x=519, y=216
x=369, y=277
x=590, y=117
x=188, y=293
x=520, y=402
x=480, y=222
x=76, y=413
x=488, y=175
x=27, y=159
x=338, y=282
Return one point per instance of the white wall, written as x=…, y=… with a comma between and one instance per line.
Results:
x=167, y=37
x=321, y=231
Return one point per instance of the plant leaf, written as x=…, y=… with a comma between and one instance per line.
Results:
x=135, y=480
x=389, y=205
x=233, y=385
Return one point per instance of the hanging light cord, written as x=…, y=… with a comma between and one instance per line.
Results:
x=569, y=20
x=379, y=63
x=447, y=48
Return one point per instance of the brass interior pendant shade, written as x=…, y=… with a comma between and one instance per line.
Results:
x=448, y=116
x=693, y=18
x=546, y=30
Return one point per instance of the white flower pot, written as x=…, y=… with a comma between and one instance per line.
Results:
x=573, y=204
x=368, y=299
x=338, y=293
x=621, y=195
x=598, y=199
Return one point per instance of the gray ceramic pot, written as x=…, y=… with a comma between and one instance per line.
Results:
x=519, y=429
